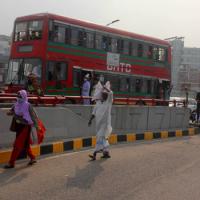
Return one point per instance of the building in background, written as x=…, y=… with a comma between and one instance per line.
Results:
x=4, y=56
x=185, y=72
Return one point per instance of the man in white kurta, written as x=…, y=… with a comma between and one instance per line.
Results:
x=102, y=115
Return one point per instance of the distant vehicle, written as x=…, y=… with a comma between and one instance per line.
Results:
x=192, y=104
x=179, y=101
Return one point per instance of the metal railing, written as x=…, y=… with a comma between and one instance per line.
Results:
x=53, y=100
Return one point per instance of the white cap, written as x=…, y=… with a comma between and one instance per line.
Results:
x=87, y=76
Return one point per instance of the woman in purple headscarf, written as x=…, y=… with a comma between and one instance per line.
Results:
x=24, y=118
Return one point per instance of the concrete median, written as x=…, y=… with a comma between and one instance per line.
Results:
x=71, y=121
x=78, y=144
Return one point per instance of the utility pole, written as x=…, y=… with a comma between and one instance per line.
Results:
x=117, y=20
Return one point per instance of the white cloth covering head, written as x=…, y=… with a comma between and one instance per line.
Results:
x=87, y=76
x=102, y=113
x=98, y=90
x=107, y=86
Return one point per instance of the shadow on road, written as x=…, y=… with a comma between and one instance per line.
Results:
x=10, y=176
x=84, y=178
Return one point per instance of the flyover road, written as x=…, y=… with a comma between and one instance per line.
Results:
x=155, y=170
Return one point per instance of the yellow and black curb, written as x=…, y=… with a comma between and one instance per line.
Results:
x=80, y=143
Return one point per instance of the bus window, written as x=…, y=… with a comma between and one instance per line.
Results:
x=130, y=49
x=161, y=54
x=166, y=55
x=150, y=52
x=67, y=35
x=155, y=53
x=114, y=45
x=35, y=30
x=114, y=81
x=143, y=84
x=21, y=31
x=156, y=88
x=126, y=47
x=138, y=85
x=74, y=36
x=90, y=40
x=31, y=30
x=109, y=44
x=106, y=43
x=145, y=51
x=13, y=68
x=132, y=85
x=56, y=71
x=76, y=77
x=59, y=34
x=98, y=39
x=140, y=50
x=134, y=49
x=120, y=46
x=19, y=69
x=124, y=84
x=149, y=86
x=81, y=38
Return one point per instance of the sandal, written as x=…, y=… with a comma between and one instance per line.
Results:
x=8, y=166
x=32, y=162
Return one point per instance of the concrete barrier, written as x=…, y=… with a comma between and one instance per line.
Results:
x=71, y=121
x=88, y=142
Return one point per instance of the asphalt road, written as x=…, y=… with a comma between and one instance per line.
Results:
x=156, y=170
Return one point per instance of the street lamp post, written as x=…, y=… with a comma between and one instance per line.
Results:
x=117, y=20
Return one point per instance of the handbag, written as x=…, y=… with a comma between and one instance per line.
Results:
x=13, y=125
x=16, y=123
x=40, y=131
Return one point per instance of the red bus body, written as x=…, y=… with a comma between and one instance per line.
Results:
x=95, y=61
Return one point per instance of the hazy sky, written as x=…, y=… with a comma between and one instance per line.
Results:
x=157, y=18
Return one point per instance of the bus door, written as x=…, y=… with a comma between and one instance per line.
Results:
x=166, y=89
x=56, y=77
x=78, y=78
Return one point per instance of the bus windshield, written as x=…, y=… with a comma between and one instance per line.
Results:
x=19, y=69
x=28, y=30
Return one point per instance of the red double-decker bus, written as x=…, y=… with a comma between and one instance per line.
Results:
x=60, y=51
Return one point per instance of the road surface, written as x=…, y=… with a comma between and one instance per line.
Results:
x=157, y=170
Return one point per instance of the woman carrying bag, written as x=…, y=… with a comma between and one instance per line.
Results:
x=24, y=118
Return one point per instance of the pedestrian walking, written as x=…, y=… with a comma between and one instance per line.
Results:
x=86, y=89
x=24, y=118
x=102, y=115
